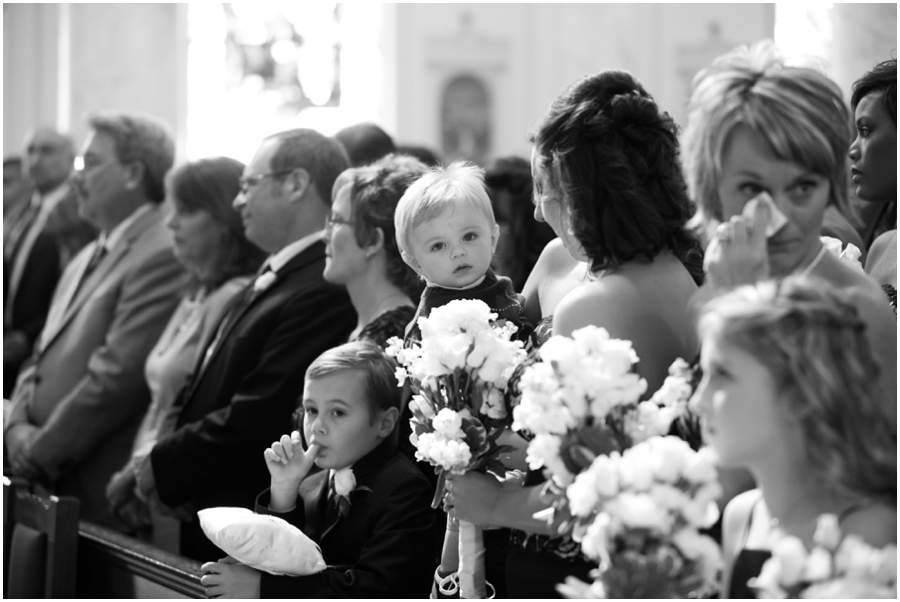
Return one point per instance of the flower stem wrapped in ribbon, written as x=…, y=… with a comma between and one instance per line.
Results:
x=458, y=374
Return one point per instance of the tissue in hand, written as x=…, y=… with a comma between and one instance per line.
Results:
x=777, y=219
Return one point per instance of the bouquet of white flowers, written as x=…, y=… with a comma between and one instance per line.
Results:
x=458, y=374
x=638, y=513
x=834, y=568
x=582, y=400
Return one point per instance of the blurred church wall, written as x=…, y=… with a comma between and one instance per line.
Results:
x=62, y=62
x=527, y=53
x=459, y=78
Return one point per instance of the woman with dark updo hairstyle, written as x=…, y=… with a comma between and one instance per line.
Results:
x=209, y=241
x=608, y=181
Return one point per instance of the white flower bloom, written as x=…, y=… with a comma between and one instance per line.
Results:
x=543, y=451
x=582, y=494
x=828, y=532
x=668, y=456
x=394, y=346
x=636, y=468
x=791, y=555
x=769, y=580
x=818, y=565
x=606, y=475
x=451, y=455
x=701, y=467
x=638, y=510
x=344, y=481
x=401, y=375
x=597, y=539
x=423, y=446
x=448, y=423
x=702, y=549
x=669, y=497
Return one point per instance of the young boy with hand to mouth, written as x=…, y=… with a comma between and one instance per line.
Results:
x=368, y=509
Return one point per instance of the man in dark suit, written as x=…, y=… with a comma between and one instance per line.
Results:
x=80, y=398
x=250, y=375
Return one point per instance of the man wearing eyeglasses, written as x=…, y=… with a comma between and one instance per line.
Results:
x=249, y=376
x=81, y=396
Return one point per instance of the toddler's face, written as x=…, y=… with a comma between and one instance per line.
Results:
x=336, y=416
x=454, y=248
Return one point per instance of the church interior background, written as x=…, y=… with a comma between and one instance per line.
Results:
x=461, y=79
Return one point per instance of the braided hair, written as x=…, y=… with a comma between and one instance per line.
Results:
x=613, y=156
x=813, y=342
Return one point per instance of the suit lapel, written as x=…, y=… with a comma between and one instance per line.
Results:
x=106, y=265
x=301, y=260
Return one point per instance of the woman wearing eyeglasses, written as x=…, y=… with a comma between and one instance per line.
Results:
x=361, y=250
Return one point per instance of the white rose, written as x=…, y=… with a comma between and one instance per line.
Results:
x=828, y=532
x=448, y=423
x=344, y=481
x=791, y=555
x=638, y=510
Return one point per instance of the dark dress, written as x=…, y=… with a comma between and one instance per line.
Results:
x=536, y=563
x=391, y=323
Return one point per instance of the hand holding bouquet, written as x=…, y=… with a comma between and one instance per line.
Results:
x=458, y=374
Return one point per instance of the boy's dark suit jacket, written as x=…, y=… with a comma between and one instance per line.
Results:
x=242, y=400
x=382, y=549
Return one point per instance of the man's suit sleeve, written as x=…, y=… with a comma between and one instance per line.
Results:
x=395, y=562
x=229, y=442
x=113, y=391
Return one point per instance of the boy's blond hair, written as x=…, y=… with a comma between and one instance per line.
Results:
x=441, y=187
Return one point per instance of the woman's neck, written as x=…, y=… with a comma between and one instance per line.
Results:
x=795, y=497
x=372, y=295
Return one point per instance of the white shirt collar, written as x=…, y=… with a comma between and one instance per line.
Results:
x=51, y=199
x=278, y=260
x=111, y=238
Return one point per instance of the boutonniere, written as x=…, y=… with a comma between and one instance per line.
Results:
x=344, y=485
x=264, y=281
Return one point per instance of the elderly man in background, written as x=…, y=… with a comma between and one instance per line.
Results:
x=249, y=378
x=40, y=237
x=80, y=397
